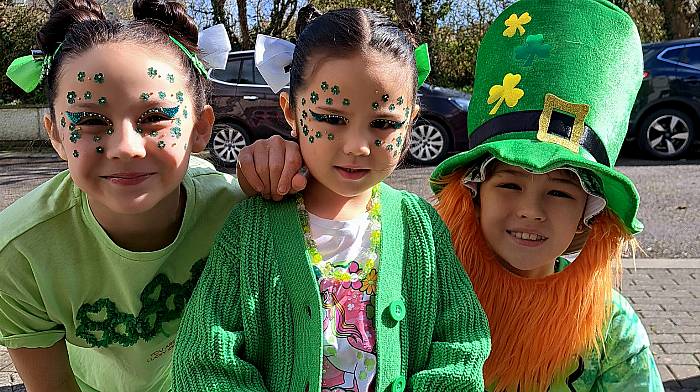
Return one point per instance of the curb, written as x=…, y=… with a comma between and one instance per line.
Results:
x=661, y=263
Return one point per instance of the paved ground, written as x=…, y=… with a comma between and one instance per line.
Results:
x=664, y=291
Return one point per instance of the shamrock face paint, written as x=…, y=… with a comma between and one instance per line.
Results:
x=120, y=170
x=351, y=132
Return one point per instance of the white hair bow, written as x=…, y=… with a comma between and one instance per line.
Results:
x=273, y=57
x=214, y=46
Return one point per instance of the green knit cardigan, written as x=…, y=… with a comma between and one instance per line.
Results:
x=254, y=322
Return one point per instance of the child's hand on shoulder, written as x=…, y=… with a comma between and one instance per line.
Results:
x=271, y=168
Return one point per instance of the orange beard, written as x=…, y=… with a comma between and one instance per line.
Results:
x=538, y=326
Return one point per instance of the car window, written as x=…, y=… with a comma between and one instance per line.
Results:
x=228, y=75
x=693, y=56
x=674, y=54
x=250, y=73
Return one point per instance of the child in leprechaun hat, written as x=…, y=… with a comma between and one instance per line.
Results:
x=555, y=83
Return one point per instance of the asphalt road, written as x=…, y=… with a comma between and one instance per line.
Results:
x=670, y=195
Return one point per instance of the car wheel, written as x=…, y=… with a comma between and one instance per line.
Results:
x=666, y=134
x=429, y=143
x=227, y=140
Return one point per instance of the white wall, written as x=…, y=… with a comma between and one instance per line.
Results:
x=22, y=124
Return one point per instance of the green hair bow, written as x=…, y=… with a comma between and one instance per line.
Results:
x=193, y=57
x=28, y=71
x=422, y=63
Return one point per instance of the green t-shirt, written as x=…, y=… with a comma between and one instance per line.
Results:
x=118, y=310
x=626, y=364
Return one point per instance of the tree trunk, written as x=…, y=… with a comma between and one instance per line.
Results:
x=243, y=22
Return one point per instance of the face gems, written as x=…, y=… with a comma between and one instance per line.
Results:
x=153, y=134
x=303, y=101
x=304, y=114
x=179, y=96
x=184, y=112
x=144, y=96
x=324, y=86
x=335, y=90
x=318, y=134
x=102, y=101
x=99, y=78
x=109, y=131
x=71, y=97
x=162, y=94
x=398, y=141
x=399, y=101
x=63, y=121
x=311, y=139
x=96, y=138
x=392, y=107
x=76, y=153
x=375, y=105
x=152, y=72
x=139, y=130
x=330, y=136
x=175, y=132
x=81, y=76
x=378, y=143
x=170, y=77
x=329, y=101
x=100, y=149
x=161, y=144
x=75, y=135
x=346, y=102
x=306, y=130
x=314, y=97
x=407, y=112
x=385, y=98
x=88, y=95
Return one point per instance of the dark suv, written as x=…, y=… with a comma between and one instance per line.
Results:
x=247, y=110
x=666, y=113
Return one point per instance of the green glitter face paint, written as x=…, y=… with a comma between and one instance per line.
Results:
x=102, y=101
x=144, y=96
x=76, y=153
x=346, y=102
x=71, y=97
x=398, y=141
x=99, y=78
x=77, y=118
x=324, y=86
x=81, y=76
x=171, y=78
x=152, y=73
x=175, y=132
x=88, y=95
x=335, y=90
x=332, y=119
x=100, y=149
x=167, y=112
x=329, y=101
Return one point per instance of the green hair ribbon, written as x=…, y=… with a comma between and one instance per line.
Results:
x=193, y=57
x=422, y=63
x=28, y=71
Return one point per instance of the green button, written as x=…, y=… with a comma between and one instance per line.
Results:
x=399, y=384
x=397, y=309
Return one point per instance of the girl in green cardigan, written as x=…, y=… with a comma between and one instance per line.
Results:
x=352, y=286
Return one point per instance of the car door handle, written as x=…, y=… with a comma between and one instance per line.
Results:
x=250, y=97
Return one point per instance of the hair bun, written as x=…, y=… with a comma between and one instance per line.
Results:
x=170, y=15
x=305, y=16
x=63, y=15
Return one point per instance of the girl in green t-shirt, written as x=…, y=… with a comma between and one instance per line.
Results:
x=99, y=261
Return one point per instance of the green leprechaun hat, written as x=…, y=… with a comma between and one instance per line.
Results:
x=555, y=83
